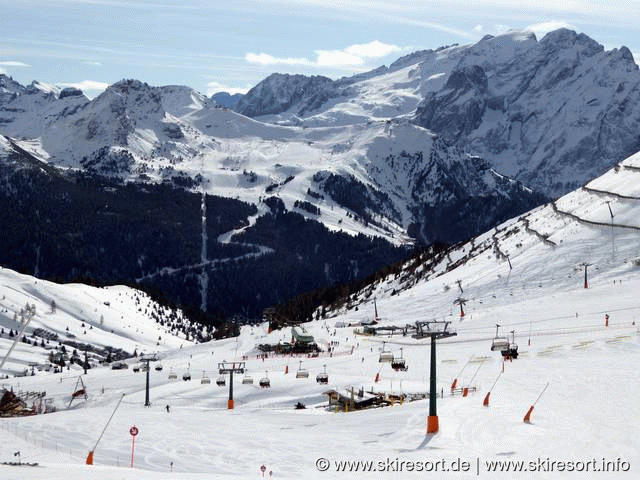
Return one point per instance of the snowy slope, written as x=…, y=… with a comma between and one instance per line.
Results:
x=118, y=317
x=587, y=415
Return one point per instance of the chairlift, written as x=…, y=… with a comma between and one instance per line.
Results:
x=221, y=381
x=323, y=377
x=136, y=368
x=158, y=367
x=265, y=382
x=399, y=364
x=205, y=380
x=512, y=349
x=186, y=376
x=385, y=356
x=247, y=379
x=172, y=374
x=499, y=344
x=302, y=373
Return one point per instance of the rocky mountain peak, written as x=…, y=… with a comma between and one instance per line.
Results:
x=280, y=92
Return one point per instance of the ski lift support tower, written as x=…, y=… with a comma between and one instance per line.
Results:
x=231, y=368
x=435, y=330
x=147, y=359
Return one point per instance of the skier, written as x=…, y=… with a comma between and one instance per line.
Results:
x=168, y=408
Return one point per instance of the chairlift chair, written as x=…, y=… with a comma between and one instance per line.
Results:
x=205, y=380
x=247, y=379
x=385, y=356
x=172, y=374
x=511, y=352
x=302, y=373
x=512, y=349
x=186, y=376
x=323, y=377
x=221, y=381
x=499, y=344
x=399, y=364
x=158, y=367
x=265, y=382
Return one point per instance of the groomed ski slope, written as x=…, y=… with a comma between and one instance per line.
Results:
x=589, y=412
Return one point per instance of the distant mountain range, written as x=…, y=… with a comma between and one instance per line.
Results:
x=439, y=146
x=552, y=113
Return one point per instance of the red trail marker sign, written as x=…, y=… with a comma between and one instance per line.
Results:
x=133, y=431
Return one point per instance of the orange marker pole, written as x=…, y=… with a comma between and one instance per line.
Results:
x=527, y=417
x=455, y=380
x=485, y=403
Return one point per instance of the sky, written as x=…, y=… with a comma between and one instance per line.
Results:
x=230, y=45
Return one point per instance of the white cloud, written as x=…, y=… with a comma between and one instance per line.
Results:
x=266, y=59
x=541, y=29
x=351, y=56
x=92, y=63
x=14, y=64
x=337, y=58
x=215, y=87
x=375, y=49
x=91, y=88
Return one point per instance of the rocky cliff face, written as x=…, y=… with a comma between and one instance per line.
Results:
x=552, y=113
x=279, y=93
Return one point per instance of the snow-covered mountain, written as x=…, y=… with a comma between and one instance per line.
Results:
x=552, y=113
x=115, y=321
x=426, y=149
x=578, y=354
x=401, y=171
x=545, y=248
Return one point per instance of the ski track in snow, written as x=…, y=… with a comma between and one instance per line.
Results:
x=222, y=238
